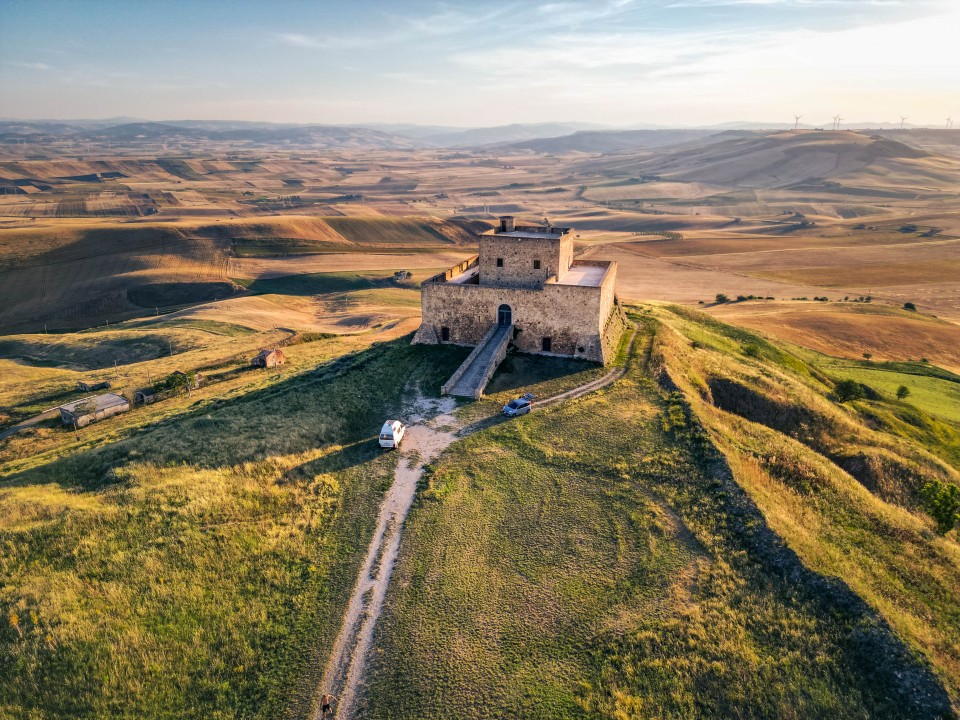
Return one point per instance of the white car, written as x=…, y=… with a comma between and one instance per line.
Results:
x=392, y=433
x=520, y=406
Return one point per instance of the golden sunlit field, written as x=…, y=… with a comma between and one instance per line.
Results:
x=710, y=525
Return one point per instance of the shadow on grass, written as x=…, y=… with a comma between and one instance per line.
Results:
x=520, y=370
x=316, y=283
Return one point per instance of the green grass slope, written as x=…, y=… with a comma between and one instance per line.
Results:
x=199, y=567
x=597, y=559
x=840, y=483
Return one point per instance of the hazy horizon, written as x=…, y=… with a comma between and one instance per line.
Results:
x=623, y=63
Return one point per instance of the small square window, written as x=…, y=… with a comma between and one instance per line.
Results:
x=536, y=264
x=499, y=262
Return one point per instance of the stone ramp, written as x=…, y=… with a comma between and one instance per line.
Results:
x=473, y=375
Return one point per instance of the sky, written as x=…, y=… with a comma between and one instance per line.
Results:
x=611, y=62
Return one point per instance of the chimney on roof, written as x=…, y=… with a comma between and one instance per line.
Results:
x=506, y=223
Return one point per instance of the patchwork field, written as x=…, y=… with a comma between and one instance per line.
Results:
x=721, y=531
x=850, y=330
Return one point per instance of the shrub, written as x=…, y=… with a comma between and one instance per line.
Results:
x=741, y=298
x=721, y=298
x=846, y=390
x=908, y=228
x=909, y=306
x=902, y=392
x=867, y=356
x=942, y=501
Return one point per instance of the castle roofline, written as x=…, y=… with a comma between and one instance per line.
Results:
x=539, y=232
x=508, y=228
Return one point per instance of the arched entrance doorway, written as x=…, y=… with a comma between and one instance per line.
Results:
x=504, y=316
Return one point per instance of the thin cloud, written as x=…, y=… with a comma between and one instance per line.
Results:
x=30, y=65
x=320, y=41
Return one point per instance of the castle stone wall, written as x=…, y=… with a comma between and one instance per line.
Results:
x=518, y=255
x=569, y=315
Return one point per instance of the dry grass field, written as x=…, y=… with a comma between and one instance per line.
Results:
x=850, y=330
x=669, y=546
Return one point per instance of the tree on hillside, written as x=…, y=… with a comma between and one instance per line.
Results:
x=909, y=306
x=847, y=390
x=943, y=503
x=721, y=298
x=902, y=392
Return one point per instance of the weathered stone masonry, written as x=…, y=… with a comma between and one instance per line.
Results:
x=557, y=306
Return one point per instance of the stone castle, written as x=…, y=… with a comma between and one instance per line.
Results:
x=523, y=288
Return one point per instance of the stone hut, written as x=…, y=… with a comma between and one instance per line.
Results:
x=81, y=413
x=269, y=358
x=144, y=396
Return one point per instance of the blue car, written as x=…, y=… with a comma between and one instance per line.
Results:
x=520, y=406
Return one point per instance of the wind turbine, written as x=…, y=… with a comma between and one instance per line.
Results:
x=796, y=121
x=838, y=119
x=903, y=119
x=949, y=122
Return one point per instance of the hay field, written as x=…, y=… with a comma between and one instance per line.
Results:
x=333, y=302
x=850, y=330
x=642, y=276
x=81, y=274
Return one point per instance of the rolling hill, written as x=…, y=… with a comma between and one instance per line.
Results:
x=715, y=534
x=788, y=159
x=608, y=141
x=86, y=275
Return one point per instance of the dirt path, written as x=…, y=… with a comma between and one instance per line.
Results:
x=432, y=429
x=23, y=425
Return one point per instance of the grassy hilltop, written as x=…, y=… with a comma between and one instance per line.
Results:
x=601, y=558
x=713, y=534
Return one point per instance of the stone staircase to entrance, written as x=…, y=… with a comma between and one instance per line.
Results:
x=473, y=375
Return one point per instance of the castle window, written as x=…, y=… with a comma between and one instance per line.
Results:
x=445, y=334
x=536, y=264
x=499, y=262
x=546, y=344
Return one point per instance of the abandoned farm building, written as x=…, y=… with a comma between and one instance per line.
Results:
x=81, y=413
x=525, y=289
x=269, y=358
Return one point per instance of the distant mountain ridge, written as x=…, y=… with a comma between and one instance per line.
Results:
x=314, y=136
x=608, y=141
x=775, y=159
x=551, y=137
x=507, y=133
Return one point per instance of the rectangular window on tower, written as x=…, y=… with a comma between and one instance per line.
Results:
x=445, y=334
x=499, y=262
x=547, y=344
x=536, y=264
